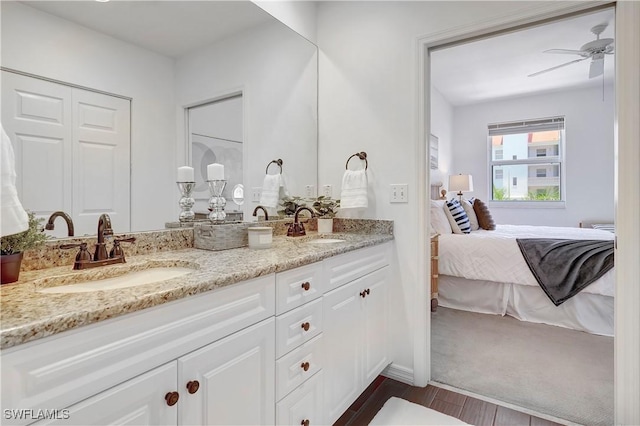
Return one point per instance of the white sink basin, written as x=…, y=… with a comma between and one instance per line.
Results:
x=96, y=280
x=326, y=241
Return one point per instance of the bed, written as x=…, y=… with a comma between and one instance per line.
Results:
x=485, y=271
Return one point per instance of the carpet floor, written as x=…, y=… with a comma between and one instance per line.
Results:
x=560, y=372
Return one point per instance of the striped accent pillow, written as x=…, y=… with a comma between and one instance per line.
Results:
x=458, y=217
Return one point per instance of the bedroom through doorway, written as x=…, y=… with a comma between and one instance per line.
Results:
x=526, y=119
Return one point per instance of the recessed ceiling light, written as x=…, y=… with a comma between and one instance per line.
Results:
x=102, y=1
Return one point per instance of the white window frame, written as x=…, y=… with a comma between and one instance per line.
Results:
x=525, y=126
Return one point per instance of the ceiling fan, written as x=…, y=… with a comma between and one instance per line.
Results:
x=595, y=50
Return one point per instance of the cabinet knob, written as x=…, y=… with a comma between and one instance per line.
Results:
x=305, y=326
x=305, y=365
x=172, y=398
x=306, y=285
x=193, y=386
x=305, y=422
x=368, y=291
x=363, y=293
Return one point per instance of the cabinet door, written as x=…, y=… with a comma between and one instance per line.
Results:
x=303, y=404
x=375, y=357
x=342, y=341
x=139, y=401
x=236, y=377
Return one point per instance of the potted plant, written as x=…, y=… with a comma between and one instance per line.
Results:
x=326, y=209
x=13, y=246
x=289, y=205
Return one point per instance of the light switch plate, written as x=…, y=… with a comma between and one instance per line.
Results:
x=327, y=190
x=310, y=191
x=399, y=193
x=256, y=193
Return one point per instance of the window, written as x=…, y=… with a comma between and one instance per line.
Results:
x=526, y=160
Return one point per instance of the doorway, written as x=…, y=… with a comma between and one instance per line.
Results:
x=626, y=383
x=216, y=136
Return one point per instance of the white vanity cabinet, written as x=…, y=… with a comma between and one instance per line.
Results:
x=60, y=371
x=355, y=327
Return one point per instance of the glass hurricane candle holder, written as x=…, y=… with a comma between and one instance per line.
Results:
x=217, y=201
x=186, y=201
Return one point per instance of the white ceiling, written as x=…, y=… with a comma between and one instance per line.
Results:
x=497, y=67
x=171, y=28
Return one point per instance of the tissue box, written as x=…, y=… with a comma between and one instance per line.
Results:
x=220, y=237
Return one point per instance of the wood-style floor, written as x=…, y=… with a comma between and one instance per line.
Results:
x=470, y=410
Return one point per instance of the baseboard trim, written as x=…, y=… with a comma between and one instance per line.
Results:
x=504, y=404
x=400, y=373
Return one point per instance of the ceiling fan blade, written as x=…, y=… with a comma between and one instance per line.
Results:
x=596, y=68
x=567, y=51
x=556, y=67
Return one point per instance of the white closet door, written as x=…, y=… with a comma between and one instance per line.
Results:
x=36, y=115
x=101, y=151
x=72, y=151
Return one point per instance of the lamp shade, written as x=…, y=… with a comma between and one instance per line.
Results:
x=461, y=183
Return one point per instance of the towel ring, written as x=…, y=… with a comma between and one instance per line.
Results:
x=361, y=155
x=278, y=162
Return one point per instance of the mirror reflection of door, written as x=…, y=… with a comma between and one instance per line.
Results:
x=215, y=133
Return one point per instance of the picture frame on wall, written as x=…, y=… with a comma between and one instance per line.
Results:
x=433, y=149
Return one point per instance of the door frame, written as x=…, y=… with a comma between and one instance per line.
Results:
x=626, y=198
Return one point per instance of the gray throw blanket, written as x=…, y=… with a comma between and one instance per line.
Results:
x=564, y=267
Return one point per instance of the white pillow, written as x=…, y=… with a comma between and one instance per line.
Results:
x=467, y=205
x=439, y=221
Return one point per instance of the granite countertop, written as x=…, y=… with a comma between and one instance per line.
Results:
x=26, y=314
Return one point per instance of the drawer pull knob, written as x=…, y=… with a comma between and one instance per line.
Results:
x=172, y=398
x=193, y=386
x=364, y=292
x=306, y=285
x=305, y=326
x=305, y=365
x=305, y=422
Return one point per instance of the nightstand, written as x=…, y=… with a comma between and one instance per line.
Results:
x=434, y=272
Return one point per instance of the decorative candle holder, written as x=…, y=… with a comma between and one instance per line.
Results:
x=217, y=201
x=186, y=201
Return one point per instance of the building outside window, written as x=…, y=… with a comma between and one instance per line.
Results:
x=534, y=151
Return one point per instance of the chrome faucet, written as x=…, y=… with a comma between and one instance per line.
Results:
x=255, y=212
x=104, y=229
x=66, y=217
x=296, y=229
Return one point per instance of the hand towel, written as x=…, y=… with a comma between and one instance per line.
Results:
x=14, y=218
x=354, y=189
x=271, y=190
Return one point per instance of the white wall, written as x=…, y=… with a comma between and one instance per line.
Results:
x=442, y=127
x=300, y=16
x=276, y=70
x=42, y=44
x=368, y=100
x=589, y=158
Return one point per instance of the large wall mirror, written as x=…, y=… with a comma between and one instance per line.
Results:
x=159, y=60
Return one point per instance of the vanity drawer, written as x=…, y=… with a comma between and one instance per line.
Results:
x=298, y=286
x=298, y=326
x=305, y=403
x=298, y=365
x=347, y=267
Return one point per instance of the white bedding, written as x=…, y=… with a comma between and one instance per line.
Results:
x=495, y=256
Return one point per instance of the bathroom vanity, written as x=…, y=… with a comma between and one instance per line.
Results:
x=288, y=335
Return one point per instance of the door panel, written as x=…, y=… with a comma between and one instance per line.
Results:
x=236, y=377
x=375, y=323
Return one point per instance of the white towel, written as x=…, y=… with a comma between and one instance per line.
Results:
x=271, y=190
x=13, y=218
x=354, y=190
